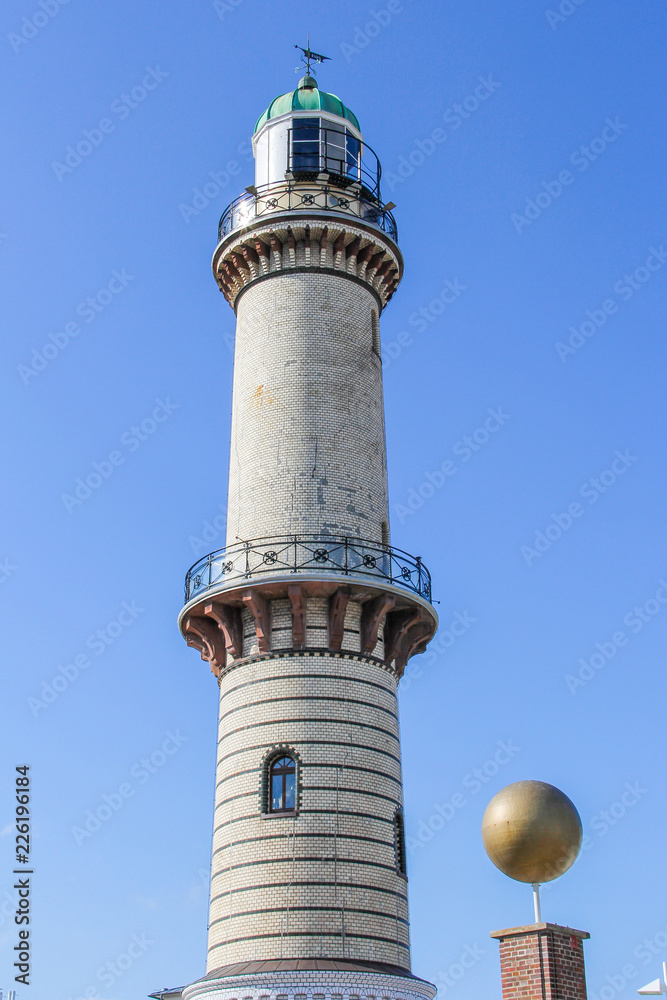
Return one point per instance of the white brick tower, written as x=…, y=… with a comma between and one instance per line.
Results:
x=308, y=615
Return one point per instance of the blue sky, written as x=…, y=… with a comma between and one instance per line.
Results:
x=524, y=147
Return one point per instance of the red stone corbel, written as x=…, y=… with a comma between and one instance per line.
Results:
x=337, y=608
x=251, y=258
x=228, y=619
x=365, y=255
x=382, y=270
x=298, y=603
x=227, y=287
x=396, y=627
x=324, y=240
x=235, y=276
x=291, y=245
x=233, y=270
x=373, y=614
x=241, y=265
x=390, y=277
x=374, y=262
x=363, y=258
x=263, y=253
x=338, y=248
x=352, y=249
x=277, y=250
x=413, y=641
x=260, y=609
x=205, y=636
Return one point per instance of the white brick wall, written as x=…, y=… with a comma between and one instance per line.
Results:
x=308, y=440
x=280, y=885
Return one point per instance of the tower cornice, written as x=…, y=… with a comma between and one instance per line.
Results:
x=305, y=242
x=212, y=622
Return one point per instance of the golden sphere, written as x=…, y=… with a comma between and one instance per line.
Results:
x=532, y=831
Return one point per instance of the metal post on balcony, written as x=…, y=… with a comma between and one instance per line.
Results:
x=247, y=559
x=294, y=570
x=346, y=555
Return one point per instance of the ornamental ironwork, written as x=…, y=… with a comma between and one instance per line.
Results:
x=306, y=554
x=292, y=196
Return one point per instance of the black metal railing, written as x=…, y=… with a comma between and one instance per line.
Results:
x=307, y=554
x=292, y=196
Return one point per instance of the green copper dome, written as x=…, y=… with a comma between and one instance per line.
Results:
x=307, y=97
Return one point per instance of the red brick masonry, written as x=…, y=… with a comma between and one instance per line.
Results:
x=542, y=962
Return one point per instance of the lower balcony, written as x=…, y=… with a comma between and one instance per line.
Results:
x=296, y=595
x=306, y=555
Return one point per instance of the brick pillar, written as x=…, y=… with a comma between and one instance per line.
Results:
x=542, y=962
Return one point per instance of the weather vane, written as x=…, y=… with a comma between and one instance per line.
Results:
x=309, y=56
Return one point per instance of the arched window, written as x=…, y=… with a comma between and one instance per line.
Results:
x=282, y=785
x=399, y=843
x=375, y=332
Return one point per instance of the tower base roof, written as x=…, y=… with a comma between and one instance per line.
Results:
x=307, y=965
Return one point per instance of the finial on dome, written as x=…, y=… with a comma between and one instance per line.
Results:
x=308, y=82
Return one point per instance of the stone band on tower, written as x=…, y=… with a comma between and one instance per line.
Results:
x=308, y=616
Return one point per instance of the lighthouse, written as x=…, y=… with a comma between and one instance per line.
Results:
x=309, y=614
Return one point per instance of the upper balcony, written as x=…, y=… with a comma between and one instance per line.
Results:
x=300, y=196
